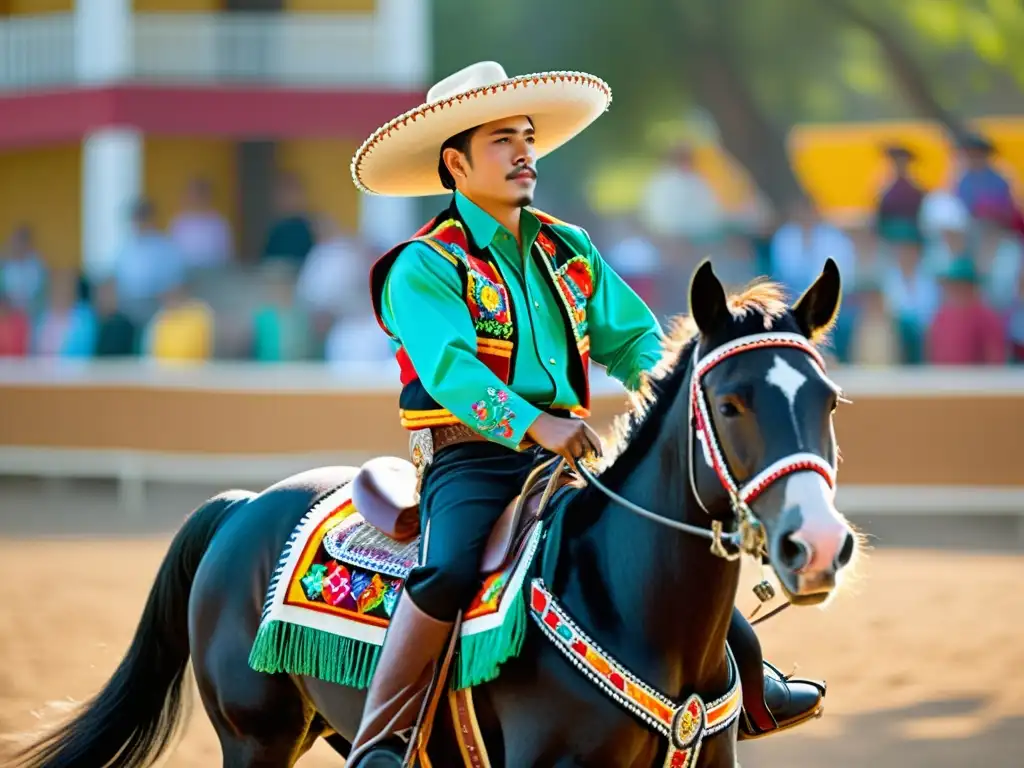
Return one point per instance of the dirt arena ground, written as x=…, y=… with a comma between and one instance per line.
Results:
x=924, y=653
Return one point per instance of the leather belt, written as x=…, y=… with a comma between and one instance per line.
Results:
x=453, y=434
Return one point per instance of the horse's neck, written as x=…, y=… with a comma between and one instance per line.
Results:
x=657, y=599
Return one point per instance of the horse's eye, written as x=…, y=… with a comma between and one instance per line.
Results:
x=728, y=409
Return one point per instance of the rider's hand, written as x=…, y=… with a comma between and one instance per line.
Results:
x=570, y=438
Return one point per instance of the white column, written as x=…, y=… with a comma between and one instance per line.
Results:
x=402, y=43
x=402, y=62
x=111, y=182
x=103, y=40
x=111, y=158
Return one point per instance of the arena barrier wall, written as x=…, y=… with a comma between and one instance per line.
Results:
x=913, y=441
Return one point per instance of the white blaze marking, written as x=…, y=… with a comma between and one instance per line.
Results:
x=789, y=380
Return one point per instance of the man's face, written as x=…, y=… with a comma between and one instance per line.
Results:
x=501, y=166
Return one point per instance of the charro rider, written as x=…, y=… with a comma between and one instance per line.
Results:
x=495, y=310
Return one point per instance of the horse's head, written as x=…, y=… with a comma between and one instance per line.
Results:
x=762, y=407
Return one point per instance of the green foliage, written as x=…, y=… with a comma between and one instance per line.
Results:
x=803, y=60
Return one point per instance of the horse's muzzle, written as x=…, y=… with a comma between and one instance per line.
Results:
x=810, y=542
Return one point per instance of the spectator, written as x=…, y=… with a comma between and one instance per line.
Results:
x=683, y=216
x=67, y=327
x=911, y=291
x=944, y=222
x=899, y=207
x=999, y=260
x=281, y=329
x=335, y=271
x=182, y=329
x=966, y=330
x=678, y=202
x=981, y=188
x=14, y=329
x=874, y=337
x=636, y=259
x=801, y=246
x=200, y=232
x=116, y=334
x=148, y=266
x=291, y=235
x=23, y=273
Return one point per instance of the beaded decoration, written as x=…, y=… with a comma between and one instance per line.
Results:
x=685, y=725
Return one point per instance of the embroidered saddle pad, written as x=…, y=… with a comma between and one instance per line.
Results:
x=336, y=586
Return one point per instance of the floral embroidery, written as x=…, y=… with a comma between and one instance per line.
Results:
x=545, y=243
x=493, y=413
x=489, y=304
x=575, y=280
x=579, y=269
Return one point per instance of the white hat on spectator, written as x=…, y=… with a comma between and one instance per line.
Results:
x=401, y=157
x=942, y=211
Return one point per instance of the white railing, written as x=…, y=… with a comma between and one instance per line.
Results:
x=37, y=51
x=329, y=50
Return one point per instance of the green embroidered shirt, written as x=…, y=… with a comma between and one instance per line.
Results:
x=423, y=305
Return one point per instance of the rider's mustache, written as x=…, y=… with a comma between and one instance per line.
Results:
x=520, y=169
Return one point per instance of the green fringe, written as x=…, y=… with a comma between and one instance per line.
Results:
x=297, y=650
x=481, y=655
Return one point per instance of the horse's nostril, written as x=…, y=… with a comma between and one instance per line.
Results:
x=793, y=553
x=845, y=552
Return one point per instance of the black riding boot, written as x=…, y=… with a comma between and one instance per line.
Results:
x=771, y=701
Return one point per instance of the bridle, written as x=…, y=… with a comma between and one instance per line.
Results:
x=748, y=536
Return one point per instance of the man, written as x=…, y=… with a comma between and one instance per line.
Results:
x=899, y=207
x=495, y=310
x=985, y=192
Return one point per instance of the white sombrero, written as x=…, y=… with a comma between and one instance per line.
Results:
x=400, y=158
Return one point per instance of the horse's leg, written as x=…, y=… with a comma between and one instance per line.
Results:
x=261, y=719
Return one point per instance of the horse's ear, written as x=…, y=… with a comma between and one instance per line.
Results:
x=816, y=310
x=708, y=306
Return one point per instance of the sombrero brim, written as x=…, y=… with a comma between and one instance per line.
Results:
x=400, y=158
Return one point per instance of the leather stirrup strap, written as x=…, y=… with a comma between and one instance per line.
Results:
x=420, y=737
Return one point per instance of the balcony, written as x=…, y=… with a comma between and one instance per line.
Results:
x=386, y=50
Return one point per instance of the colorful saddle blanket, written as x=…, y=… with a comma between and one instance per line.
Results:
x=335, y=588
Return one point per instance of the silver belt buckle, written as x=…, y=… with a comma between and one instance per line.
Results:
x=421, y=450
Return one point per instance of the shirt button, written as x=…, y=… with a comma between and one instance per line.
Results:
x=551, y=360
x=536, y=304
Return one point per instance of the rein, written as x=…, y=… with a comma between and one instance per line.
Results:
x=749, y=536
x=715, y=534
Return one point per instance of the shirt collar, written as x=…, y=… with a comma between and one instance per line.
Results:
x=483, y=227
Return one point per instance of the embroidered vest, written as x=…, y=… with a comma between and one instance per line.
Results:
x=487, y=301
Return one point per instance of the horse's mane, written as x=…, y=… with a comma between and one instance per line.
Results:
x=761, y=302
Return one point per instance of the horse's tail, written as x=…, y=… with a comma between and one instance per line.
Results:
x=136, y=715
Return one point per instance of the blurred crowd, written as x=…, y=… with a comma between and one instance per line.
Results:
x=934, y=278
x=182, y=293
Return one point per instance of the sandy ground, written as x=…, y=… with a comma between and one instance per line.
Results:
x=923, y=653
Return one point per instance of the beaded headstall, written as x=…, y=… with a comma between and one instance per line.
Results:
x=741, y=496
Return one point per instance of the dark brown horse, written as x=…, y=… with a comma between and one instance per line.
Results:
x=734, y=435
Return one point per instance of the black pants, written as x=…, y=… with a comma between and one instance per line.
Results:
x=463, y=494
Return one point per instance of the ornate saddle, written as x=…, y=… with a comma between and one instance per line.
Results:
x=384, y=491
